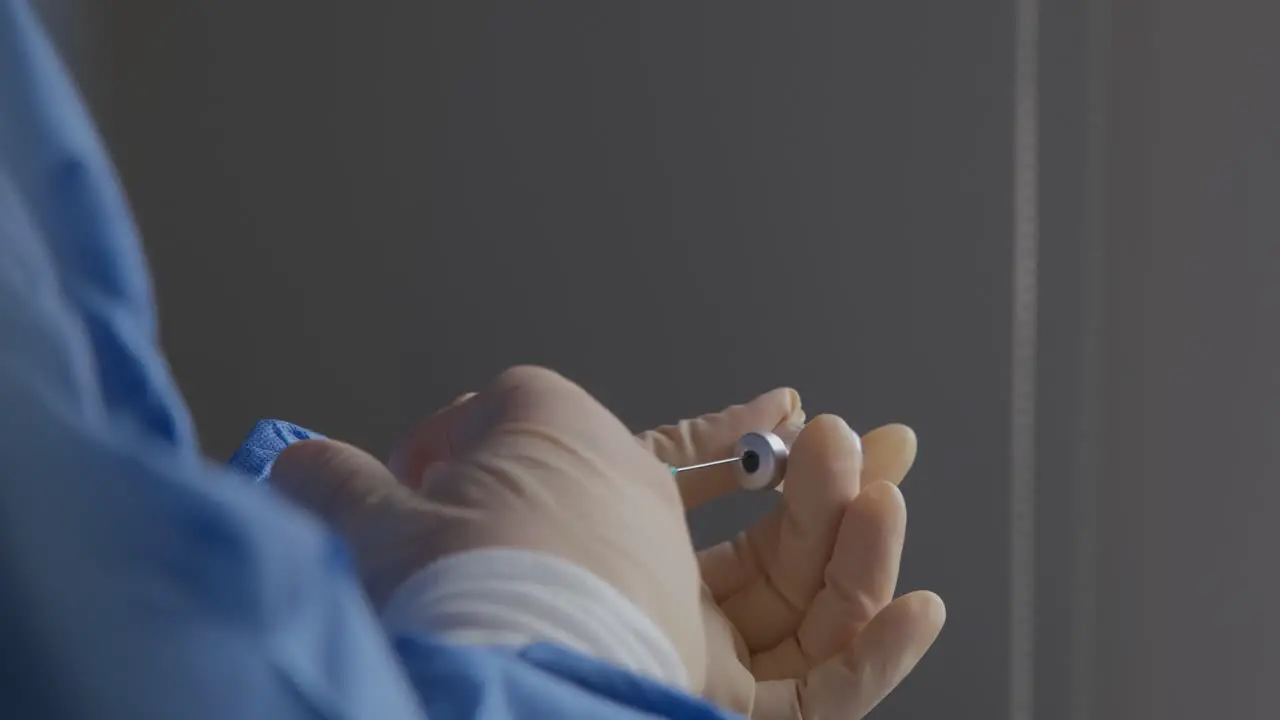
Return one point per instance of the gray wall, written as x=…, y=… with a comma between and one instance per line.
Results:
x=1190, y=388
x=1160, y=400
x=355, y=214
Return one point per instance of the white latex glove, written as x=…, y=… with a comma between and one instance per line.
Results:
x=532, y=463
x=800, y=613
x=797, y=618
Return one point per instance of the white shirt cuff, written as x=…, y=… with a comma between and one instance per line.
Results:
x=509, y=597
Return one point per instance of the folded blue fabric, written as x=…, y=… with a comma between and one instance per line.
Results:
x=264, y=444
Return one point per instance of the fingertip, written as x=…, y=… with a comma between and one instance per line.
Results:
x=780, y=406
x=827, y=422
x=518, y=389
x=903, y=436
x=897, y=638
x=884, y=493
x=929, y=605
x=828, y=433
x=884, y=652
x=916, y=620
x=891, y=452
x=793, y=404
x=319, y=473
x=534, y=394
x=782, y=403
x=307, y=456
x=899, y=428
x=518, y=375
x=910, y=432
x=824, y=469
x=303, y=457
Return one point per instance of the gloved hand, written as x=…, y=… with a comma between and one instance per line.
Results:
x=796, y=617
x=799, y=610
x=534, y=463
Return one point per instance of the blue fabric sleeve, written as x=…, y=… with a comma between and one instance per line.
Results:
x=137, y=579
x=61, y=177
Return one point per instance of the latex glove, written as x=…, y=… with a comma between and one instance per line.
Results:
x=800, y=611
x=533, y=462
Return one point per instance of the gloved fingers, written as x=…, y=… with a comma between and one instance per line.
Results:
x=860, y=581
x=786, y=556
x=729, y=682
x=432, y=442
x=849, y=685
x=712, y=437
x=542, y=406
x=359, y=498
x=340, y=483
x=522, y=408
x=889, y=452
x=436, y=439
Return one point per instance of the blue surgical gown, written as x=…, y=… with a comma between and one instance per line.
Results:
x=139, y=580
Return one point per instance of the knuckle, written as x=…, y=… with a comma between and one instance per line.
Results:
x=530, y=375
x=536, y=384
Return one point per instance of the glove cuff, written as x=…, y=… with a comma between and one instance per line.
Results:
x=515, y=598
